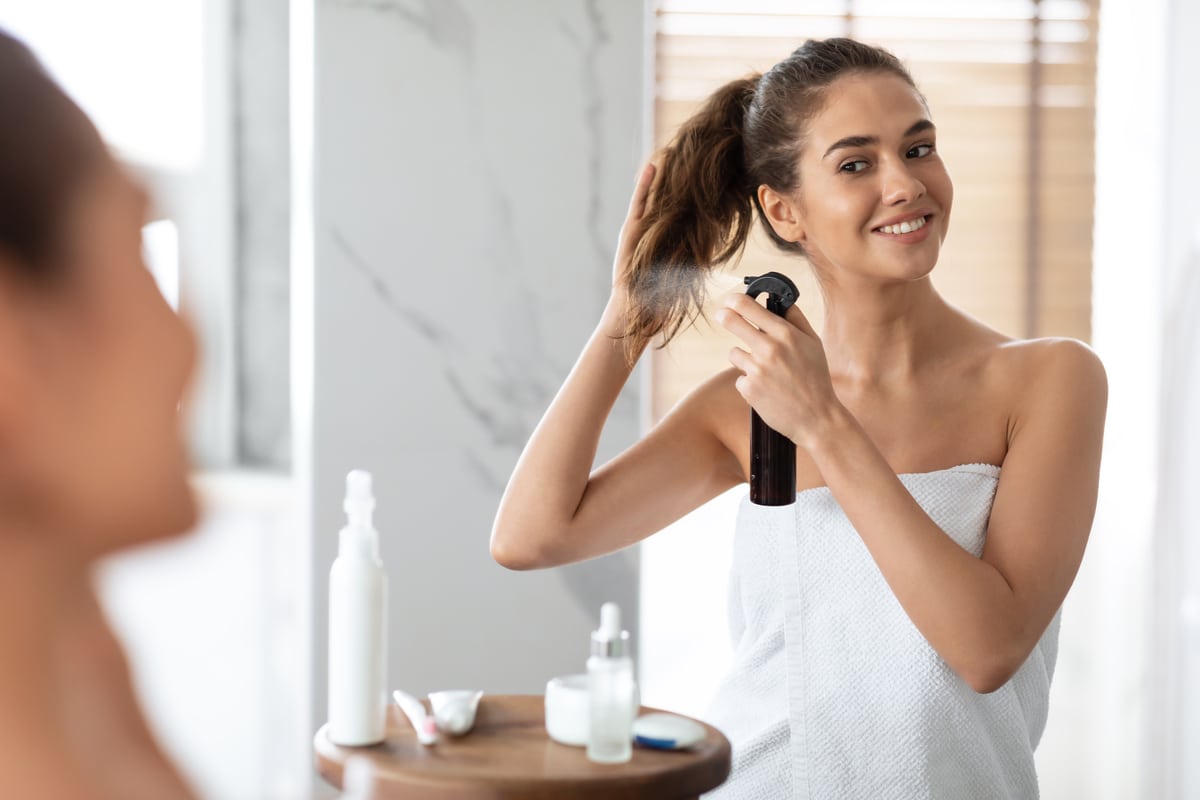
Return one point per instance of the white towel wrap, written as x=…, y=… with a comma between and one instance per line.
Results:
x=834, y=693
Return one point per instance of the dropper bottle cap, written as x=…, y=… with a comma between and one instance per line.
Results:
x=609, y=641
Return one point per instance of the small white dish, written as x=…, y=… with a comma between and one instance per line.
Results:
x=667, y=731
x=454, y=710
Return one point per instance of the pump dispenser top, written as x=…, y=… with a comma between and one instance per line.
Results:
x=359, y=535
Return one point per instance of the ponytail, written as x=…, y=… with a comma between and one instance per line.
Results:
x=698, y=216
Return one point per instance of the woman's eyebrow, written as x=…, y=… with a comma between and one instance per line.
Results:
x=863, y=141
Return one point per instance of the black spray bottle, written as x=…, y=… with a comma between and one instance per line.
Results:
x=772, y=455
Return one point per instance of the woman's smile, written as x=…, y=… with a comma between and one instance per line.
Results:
x=911, y=229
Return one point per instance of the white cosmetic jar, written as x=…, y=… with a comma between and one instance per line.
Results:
x=567, y=709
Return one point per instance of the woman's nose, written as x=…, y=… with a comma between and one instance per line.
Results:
x=900, y=185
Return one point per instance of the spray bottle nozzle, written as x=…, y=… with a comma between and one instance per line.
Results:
x=783, y=293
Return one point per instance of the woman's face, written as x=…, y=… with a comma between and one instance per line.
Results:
x=91, y=436
x=875, y=197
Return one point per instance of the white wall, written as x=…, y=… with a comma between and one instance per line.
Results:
x=473, y=161
x=1174, y=663
x=1092, y=747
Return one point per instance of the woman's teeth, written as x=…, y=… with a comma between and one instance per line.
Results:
x=905, y=227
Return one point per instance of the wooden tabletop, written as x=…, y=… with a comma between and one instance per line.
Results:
x=508, y=754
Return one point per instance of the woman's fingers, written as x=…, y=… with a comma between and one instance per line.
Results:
x=631, y=231
x=740, y=359
x=749, y=309
x=637, y=204
x=736, y=324
x=769, y=321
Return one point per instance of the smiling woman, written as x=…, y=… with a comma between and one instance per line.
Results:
x=895, y=635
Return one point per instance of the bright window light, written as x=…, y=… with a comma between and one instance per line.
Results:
x=135, y=66
x=160, y=246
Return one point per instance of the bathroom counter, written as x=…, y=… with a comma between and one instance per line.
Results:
x=508, y=754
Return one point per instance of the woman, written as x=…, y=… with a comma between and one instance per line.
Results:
x=906, y=413
x=93, y=363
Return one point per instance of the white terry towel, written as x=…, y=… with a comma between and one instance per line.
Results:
x=834, y=693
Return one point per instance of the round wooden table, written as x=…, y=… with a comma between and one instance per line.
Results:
x=508, y=754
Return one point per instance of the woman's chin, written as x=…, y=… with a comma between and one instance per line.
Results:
x=913, y=268
x=174, y=514
x=187, y=515
x=184, y=514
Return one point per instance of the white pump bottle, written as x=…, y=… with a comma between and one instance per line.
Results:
x=357, y=624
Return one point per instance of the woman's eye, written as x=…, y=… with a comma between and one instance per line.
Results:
x=920, y=151
x=853, y=166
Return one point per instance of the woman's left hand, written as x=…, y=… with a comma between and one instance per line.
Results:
x=785, y=376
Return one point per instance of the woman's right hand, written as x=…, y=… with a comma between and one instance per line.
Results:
x=631, y=230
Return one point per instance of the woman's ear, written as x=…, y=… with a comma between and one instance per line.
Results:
x=782, y=214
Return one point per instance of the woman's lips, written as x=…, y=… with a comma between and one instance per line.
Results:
x=912, y=237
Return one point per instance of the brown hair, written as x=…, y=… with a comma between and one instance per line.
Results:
x=705, y=196
x=46, y=145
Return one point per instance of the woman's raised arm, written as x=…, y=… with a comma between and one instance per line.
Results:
x=556, y=509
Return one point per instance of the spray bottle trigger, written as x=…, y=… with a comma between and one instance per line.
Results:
x=783, y=293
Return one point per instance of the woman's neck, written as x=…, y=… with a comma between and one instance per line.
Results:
x=40, y=583
x=878, y=334
x=64, y=678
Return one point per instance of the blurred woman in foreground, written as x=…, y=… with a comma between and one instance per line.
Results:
x=93, y=366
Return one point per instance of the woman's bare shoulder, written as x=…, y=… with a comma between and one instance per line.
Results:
x=1018, y=363
x=1048, y=356
x=1051, y=370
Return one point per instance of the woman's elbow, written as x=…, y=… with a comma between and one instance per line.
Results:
x=506, y=555
x=514, y=552
x=511, y=558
